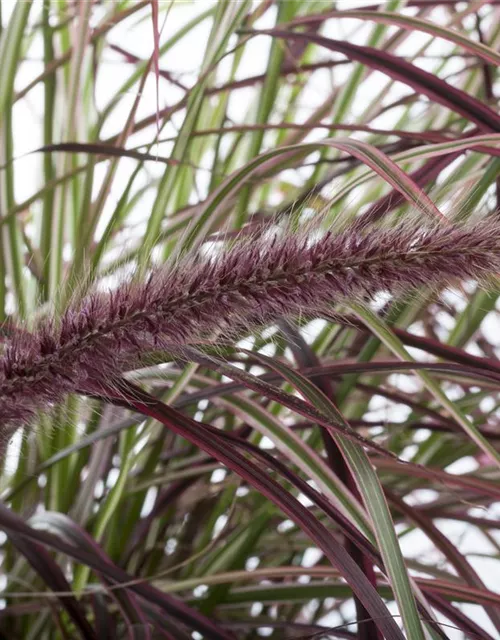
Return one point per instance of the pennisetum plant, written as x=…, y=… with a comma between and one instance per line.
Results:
x=272, y=408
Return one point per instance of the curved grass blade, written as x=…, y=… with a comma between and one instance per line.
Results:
x=421, y=153
x=342, y=368
x=303, y=456
x=65, y=528
x=214, y=208
x=476, y=485
x=373, y=497
x=306, y=357
x=12, y=524
x=52, y=575
x=397, y=68
x=146, y=404
x=449, y=550
x=422, y=176
x=378, y=327
x=412, y=23
x=304, y=409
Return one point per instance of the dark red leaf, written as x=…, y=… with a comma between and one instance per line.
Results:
x=189, y=429
x=399, y=69
x=52, y=575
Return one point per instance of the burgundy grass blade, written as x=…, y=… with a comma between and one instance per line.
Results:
x=127, y=601
x=147, y=405
x=306, y=358
x=460, y=592
x=288, y=400
x=463, y=623
x=450, y=551
x=422, y=177
x=476, y=485
x=336, y=370
x=394, y=19
x=103, y=149
x=13, y=525
x=399, y=69
x=52, y=575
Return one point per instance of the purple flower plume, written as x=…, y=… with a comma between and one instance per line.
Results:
x=249, y=282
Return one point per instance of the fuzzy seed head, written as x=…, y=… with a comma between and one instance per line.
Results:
x=253, y=281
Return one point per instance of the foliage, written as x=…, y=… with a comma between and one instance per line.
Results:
x=235, y=421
